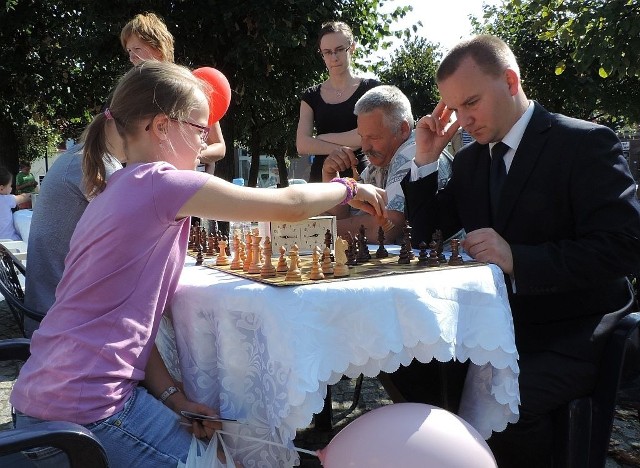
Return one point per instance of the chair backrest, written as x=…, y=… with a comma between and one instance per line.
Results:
x=626, y=336
x=11, y=289
x=77, y=442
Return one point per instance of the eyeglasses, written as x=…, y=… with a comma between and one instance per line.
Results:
x=204, y=130
x=327, y=53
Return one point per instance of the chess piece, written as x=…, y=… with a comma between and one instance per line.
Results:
x=433, y=261
x=210, y=247
x=327, y=265
x=282, y=267
x=341, y=269
x=328, y=241
x=316, y=272
x=199, y=257
x=267, y=270
x=423, y=257
x=293, y=273
x=407, y=240
x=256, y=262
x=203, y=239
x=352, y=259
x=382, y=251
x=216, y=245
x=236, y=262
x=439, y=248
x=222, y=259
x=248, y=252
x=455, y=258
x=403, y=256
x=363, y=254
x=387, y=226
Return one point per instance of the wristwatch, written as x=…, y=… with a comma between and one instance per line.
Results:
x=168, y=392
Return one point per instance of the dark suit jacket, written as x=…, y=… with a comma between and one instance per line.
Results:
x=571, y=217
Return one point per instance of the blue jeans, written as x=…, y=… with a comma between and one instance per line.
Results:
x=144, y=434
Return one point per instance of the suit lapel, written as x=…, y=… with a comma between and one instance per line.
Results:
x=533, y=142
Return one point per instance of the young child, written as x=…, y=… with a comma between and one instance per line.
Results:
x=93, y=359
x=7, y=203
x=25, y=183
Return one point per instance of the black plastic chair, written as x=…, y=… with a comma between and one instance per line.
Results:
x=11, y=289
x=584, y=426
x=82, y=448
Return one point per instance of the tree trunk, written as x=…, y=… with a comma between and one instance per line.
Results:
x=254, y=151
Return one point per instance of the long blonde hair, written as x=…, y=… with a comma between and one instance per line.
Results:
x=146, y=90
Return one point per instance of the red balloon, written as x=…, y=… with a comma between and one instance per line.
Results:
x=220, y=94
x=407, y=435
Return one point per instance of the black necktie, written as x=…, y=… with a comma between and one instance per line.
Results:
x=498, y=174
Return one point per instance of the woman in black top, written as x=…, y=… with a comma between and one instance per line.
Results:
x=328, y=106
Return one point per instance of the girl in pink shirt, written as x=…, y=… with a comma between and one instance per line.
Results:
x=93, y=359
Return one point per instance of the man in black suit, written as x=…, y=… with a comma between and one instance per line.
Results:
x=556, y=211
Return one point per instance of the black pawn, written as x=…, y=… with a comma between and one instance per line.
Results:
x=423, y=258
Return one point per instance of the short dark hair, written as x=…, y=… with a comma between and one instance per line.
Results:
x=490, y=53
x=24, y=164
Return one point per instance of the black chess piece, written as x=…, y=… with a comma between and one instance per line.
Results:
x=407, y=239
x=433, y=261
x=328, y=242
x=203, y=239
x=210, y=247
x=363, y=249
x=199, y=257
x=382, y=251
x=403, y=256
x=352, y=259
x=437, y=236
x=423, y=257
x=455, y=258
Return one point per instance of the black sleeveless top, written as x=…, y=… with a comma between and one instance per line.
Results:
x=333, y=118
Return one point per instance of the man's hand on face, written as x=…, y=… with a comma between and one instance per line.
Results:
x=337, y=161
x=432, y=134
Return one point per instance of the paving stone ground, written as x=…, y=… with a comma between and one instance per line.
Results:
x=624, y=447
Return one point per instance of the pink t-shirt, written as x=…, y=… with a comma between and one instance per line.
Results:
x=126, y=256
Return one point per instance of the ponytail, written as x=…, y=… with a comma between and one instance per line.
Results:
x=95, y=147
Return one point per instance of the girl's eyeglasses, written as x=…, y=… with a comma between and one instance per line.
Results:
x=204, y=130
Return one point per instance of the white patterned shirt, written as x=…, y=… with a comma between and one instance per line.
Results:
x=390, y=176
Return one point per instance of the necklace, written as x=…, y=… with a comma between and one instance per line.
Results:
x=340, y=92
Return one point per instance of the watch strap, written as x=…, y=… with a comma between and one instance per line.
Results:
x=168, y=392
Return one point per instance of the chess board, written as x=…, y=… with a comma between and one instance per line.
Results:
x=372, y=268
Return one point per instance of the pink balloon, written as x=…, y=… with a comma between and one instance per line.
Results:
x=407, y=435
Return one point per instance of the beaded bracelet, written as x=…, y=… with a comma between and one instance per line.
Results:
x=351, y=185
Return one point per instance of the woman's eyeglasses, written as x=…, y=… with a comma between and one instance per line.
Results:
x=327, y=53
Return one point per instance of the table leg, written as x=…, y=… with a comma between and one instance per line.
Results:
x=323, y=420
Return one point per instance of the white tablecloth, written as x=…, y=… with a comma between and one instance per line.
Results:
x=266, y=354
x=22, y=223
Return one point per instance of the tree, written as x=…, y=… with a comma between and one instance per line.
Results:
x=412, y=69
x=66, y=55
x=50, y=79
x=601, y=34
x=583, y=94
